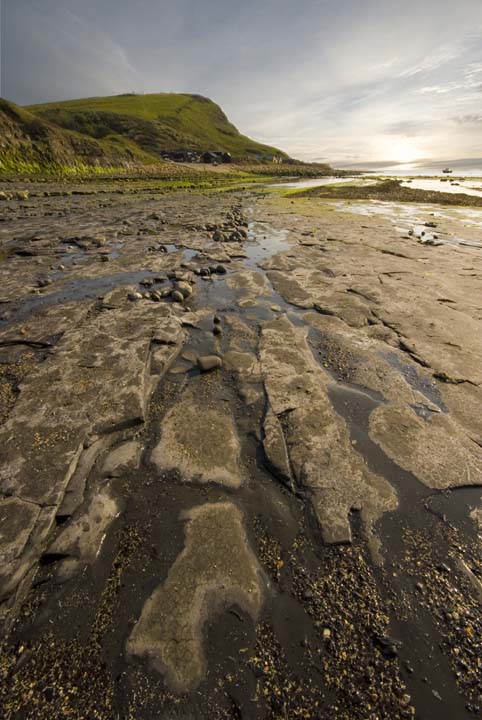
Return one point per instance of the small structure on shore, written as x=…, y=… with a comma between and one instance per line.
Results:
x=215, y=156
x=189, y=156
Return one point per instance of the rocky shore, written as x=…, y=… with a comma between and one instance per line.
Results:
x=241, y=455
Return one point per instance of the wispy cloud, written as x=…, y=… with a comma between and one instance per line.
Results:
x=436, y=60
x=320, y=79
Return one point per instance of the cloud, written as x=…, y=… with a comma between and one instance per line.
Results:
x=317, y=78
x=440, y=57
x=407, y=128
x=470, y=119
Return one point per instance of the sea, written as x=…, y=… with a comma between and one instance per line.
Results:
x=466, y=167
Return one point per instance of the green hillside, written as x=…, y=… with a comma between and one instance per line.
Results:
x=31, y=144
x=154, y=124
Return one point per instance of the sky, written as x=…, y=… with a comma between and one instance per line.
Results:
x=352, y=81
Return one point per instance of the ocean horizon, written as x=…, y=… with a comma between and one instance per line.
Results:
x=471, y=167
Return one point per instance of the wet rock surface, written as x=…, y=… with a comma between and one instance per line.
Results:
x=240, y=462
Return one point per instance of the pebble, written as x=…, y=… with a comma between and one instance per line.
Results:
x=184, y=288
x=133, y=296
x=209, y=362
x=177, y=296
x=217, y=330
x=216, y=319
x=220, y=269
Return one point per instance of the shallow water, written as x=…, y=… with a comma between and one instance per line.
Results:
x=317, y=182
x=466, y=187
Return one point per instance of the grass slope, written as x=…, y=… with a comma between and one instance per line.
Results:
x=154, y=123
x=31, y=144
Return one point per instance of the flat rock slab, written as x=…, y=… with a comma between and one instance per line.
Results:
x=274, y=445
x=321, y=455
x=251, y=281
x=447, y=340
x=81, y=540
x=16, y=519
x=122, y=459
x=216, y=569
x=200, y=442
x=95, y=381
x=435, y=450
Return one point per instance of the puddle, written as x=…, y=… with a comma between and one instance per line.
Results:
x=79, y=289
x=406, y=217
x=263, y=242
x=187, y=253
x=317, y=182
x=422, y=385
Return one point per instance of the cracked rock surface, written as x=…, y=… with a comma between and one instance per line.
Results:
x=294, y=533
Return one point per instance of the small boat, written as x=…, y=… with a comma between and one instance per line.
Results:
x=447, y=170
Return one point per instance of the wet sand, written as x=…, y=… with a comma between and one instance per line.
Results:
x=293, y=534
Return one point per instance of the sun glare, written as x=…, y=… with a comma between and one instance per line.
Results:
x=400, y=150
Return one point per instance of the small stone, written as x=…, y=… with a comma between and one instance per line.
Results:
x=217, y=330
x=104, y=258
x=326, y=633
x=221, y=270
x=216, y=319
x=184, y=288
x=307, y=594
x=177, y=296
x=133, y=296
x=207, y=363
